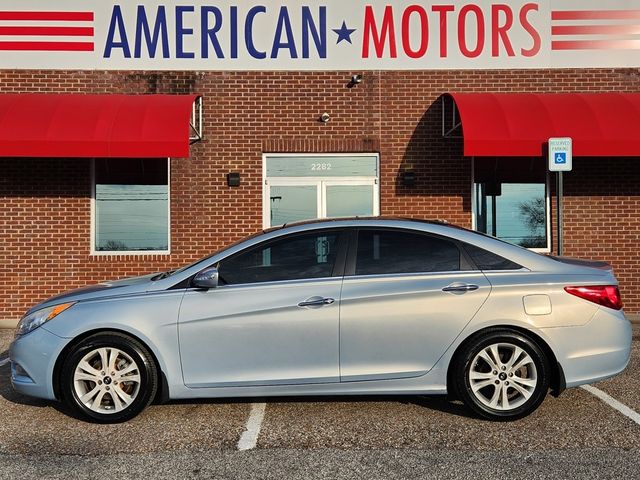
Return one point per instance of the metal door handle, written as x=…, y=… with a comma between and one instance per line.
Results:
x=460, y=288
x=316, y=302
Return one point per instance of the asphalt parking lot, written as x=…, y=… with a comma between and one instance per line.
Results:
x=574, y=436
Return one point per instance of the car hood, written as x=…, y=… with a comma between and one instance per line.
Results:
x=124, y=286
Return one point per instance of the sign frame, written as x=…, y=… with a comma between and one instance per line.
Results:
x=314, y=35
x=560, y=148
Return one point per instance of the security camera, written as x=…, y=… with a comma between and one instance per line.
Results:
x=325, y=117
x=355, y=80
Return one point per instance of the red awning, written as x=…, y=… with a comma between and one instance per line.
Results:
x=62, y=125
x=520, y=124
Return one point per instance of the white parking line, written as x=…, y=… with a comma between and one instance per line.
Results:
x=249, y=437
x=4, y=362
x=613, y=403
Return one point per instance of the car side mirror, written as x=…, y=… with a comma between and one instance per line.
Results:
x=207, y=278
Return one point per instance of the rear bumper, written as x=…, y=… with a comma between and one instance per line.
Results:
x=595, y=351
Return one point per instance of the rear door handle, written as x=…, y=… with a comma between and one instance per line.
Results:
x=460, y=288
x=316, y=302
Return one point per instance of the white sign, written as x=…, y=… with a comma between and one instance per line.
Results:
x=354, y=35
x=560, y=154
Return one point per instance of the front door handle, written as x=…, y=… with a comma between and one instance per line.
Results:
x=316, y=302
x=460, y=288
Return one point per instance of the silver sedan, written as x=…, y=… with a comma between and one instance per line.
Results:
x=352, y=306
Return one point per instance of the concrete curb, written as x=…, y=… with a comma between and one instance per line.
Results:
x=6, y=323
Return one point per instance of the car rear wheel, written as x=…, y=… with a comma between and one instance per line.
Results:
x=502, y=375
x=108, y=378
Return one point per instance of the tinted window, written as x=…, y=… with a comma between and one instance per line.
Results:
x=302, y=256
x=131, y=204
x=381, y=252
x=511, y=200
x=486, y=260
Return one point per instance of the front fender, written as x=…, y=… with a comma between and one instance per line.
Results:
x=151, y=318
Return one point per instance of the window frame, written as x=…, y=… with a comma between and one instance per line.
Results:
x=474, y=224
x=466, y=263
x=337, y=272
x=92, y=236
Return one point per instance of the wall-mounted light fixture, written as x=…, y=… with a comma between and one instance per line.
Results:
x=325, y=117
x=233, y=179
x=408, y=178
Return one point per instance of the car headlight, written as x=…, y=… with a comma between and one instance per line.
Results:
x=37, y=318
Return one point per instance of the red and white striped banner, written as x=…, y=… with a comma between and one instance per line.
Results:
x=595, y=30
x=54, y=31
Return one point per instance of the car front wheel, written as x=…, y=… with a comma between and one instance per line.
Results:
x=502, y=375
x=108, y=378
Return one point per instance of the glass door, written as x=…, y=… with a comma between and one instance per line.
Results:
x=349, y=199
x=299, y=187
x=293, y=202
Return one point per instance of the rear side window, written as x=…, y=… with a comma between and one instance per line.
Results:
x=385, y=252
x=485, y=260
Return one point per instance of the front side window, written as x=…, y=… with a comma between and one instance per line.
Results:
x=510, y=197
x=131, y=205
x=387, y=252
x=292, y=258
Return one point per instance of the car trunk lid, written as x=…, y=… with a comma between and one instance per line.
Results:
x=597, y=264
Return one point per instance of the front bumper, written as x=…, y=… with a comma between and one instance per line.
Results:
x=595, y=351
x=33, y=357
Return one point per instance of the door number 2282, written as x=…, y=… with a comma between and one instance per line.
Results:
x=320, y=166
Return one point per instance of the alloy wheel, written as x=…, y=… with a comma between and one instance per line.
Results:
x=106, y=380
x=502, y=376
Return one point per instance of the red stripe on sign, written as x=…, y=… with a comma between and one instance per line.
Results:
x=48, y=46
x=595, y=30
x=52, y=31
x=596, y=45
x=595, y=15
x=70, y=16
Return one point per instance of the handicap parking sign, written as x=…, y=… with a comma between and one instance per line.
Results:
x=560, y=154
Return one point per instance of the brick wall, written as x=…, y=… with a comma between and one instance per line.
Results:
x=602, y=218
x=45, y=203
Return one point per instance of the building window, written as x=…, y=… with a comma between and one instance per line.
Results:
x=511, y=201
x=304, y=187
x=131, y=205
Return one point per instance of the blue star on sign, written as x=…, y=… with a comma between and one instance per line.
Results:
x=343, y=32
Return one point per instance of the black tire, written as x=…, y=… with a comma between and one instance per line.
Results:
x=464, y=363
x=142, y=393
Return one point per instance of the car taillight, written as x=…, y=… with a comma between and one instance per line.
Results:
x=605, y=295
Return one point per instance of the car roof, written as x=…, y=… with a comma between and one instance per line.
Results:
x=383, y=218
x=521, y=256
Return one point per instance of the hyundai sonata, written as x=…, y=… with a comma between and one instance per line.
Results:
x=350, y=306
